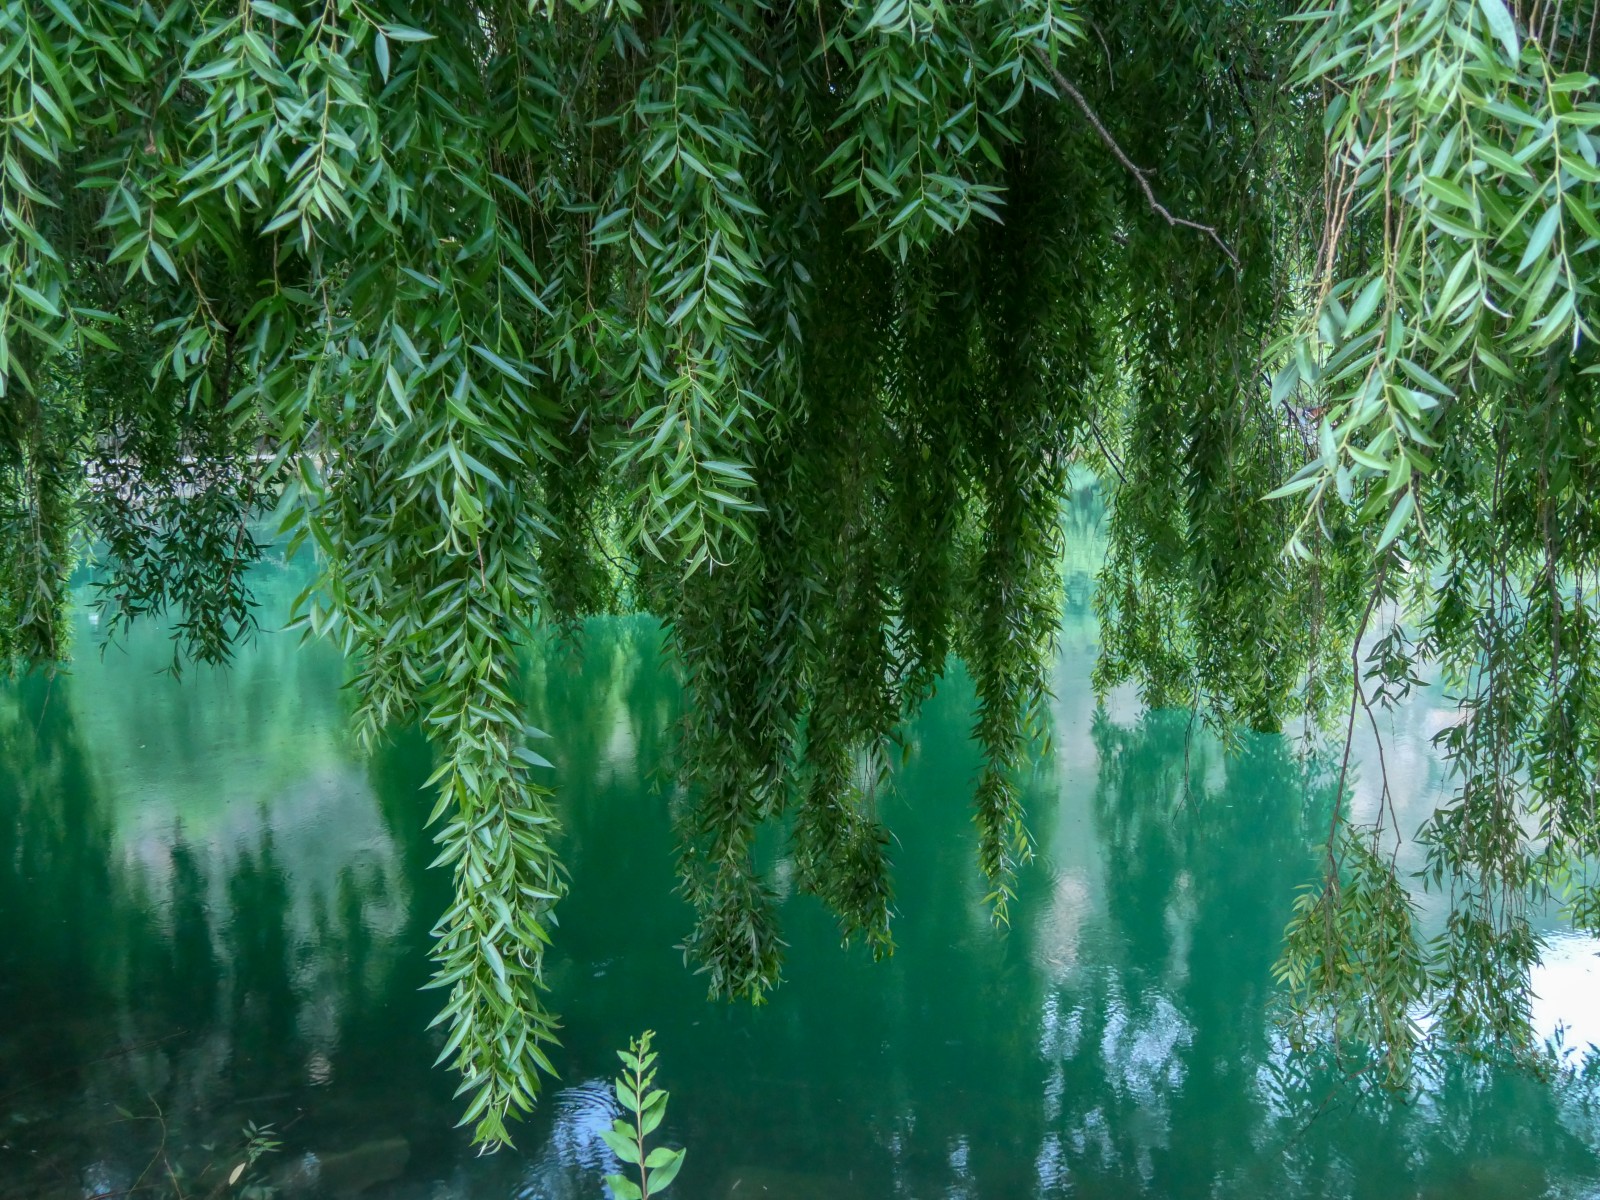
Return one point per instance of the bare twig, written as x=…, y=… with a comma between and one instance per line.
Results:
x=1140, y=174
x=161, y=1120
x=1110, y=62
x=1350, y=726
x=1110, y=456
x=1386, y=794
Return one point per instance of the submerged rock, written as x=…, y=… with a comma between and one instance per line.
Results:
x=351, y=1172
x=344, y=1173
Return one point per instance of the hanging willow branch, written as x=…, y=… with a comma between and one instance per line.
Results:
x=786, y=324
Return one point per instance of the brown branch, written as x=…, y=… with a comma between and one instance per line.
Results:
x=1140, y=174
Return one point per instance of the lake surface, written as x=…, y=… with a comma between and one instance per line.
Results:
x=215, y=911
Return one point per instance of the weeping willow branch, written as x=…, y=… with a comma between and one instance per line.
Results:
x=1140, y=174
x=787, y=335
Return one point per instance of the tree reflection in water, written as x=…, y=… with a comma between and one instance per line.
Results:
x=215, y=911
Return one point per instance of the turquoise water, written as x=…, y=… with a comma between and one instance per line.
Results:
x=216, y=912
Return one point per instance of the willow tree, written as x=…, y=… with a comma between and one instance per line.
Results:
x=786, y=321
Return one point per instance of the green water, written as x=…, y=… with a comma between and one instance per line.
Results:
x=215, y=911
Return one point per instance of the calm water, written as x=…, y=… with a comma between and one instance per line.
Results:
x=216, y=912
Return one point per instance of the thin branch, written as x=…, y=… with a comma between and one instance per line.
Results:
x=1140, y=174
x=1350, y=725
x=1386, y=795
x=1110, y=457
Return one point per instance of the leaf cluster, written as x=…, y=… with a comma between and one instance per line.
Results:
x=646, y=1104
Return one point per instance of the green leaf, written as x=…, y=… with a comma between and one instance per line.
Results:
x=655, y=1107
x=1365, y=304
x=1327, y=443
x=1539, y=240
x=1580, y=212
x=1292, y=488
x=1424, y=377
x=36, y=298
x=404, y=33
x=1503, y=26
x=164, y=259
x=1399, y=517
x=1450, y=193
x=666, y=1171
x=533, y=758
x=500, y=364
x=427, y=463
x=624, y=1148
x=1501, y=161
x=273, y=12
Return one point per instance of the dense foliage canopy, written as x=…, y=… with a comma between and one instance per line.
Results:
x=786, y=322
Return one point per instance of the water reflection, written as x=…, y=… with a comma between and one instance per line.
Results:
x=218, y=914
x=204, y=906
